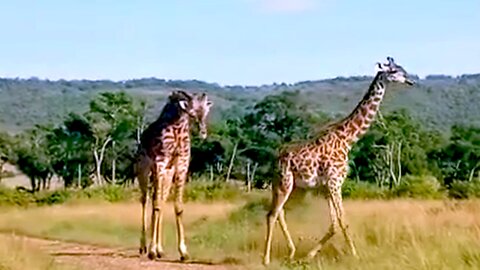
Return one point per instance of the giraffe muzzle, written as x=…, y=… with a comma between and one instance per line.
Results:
x=203, y=134
x=409, y=82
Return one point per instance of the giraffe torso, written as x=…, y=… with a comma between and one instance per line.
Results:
x=166, y=140
x=312, y=162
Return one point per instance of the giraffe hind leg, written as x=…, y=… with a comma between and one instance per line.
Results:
x=286, y=233
x=279, y=198
x=331, y=230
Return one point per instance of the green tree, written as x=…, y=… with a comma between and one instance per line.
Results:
x=69, y=147
x=33, y=157
x=272, y=122
x=112, y=118
x=6, y=151
x=394, y=146
x=460, y=158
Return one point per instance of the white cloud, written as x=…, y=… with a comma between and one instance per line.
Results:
x=286, y=6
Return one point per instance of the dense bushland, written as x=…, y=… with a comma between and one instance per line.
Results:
x=399, y=156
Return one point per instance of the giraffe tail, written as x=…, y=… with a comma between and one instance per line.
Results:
x=284, y=164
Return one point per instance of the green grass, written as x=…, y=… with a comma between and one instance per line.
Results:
x=394, y=234
x=201, y=191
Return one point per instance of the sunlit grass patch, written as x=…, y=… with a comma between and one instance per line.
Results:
x=17, y=254
x=394, y=234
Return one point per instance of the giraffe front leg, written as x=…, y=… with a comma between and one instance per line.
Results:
x=159, y=244
x=157, y=178
x=337, y=201
x=152, y=250
x=164, y=191
x=179, y=182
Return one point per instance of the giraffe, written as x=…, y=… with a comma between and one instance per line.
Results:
x=163, y=158
x=323, y=162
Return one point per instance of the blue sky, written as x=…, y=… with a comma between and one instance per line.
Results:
x=247, y=42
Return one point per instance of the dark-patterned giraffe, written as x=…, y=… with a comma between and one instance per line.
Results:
x=163, y=159
x=322, y=162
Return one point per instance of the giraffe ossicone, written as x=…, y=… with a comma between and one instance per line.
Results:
x=323, y=161
x=163, y=158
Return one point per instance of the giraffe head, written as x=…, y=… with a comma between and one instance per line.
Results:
x=197, y=106
x=393, y=72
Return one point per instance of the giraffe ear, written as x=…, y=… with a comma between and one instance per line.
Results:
x=390, y=60
x=183, y=104
x=378, y=67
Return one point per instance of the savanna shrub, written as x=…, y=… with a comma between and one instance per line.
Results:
x=15, y=197
x=464, y=189
x=427, y=187
x=362, y=190
x=210, y=191
x=109, y=193
x=55, y=197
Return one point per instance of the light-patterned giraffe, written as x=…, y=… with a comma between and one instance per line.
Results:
x=163, y=159
x=323, y=161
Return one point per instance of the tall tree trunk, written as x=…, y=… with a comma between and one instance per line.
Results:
x=49, y=181
x=113, y=162
x=252, y=176
x=248, y=184
x=79, y=181
x=230, y=166
x=211, y=173
x=2, y=163
x=140, y=127
x=472, y=172
x=32, y=184
x=98, y=155
x=399, y=163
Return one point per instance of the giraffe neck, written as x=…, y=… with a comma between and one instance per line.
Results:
x=171, y=116
x=358, y=122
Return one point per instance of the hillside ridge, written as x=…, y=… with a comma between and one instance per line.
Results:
x=437, y=100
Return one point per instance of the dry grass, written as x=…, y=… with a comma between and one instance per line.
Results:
x=100, y=223
x=398, y=234
x=16, y=254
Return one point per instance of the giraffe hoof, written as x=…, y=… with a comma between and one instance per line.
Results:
x=152, y=255
x=311, y=254
x=160, y=254
x=142, y=250
x=184, y=257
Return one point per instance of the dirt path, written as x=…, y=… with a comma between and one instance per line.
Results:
x=101, y=258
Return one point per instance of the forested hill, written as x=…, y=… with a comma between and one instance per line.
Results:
x=438, y=100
